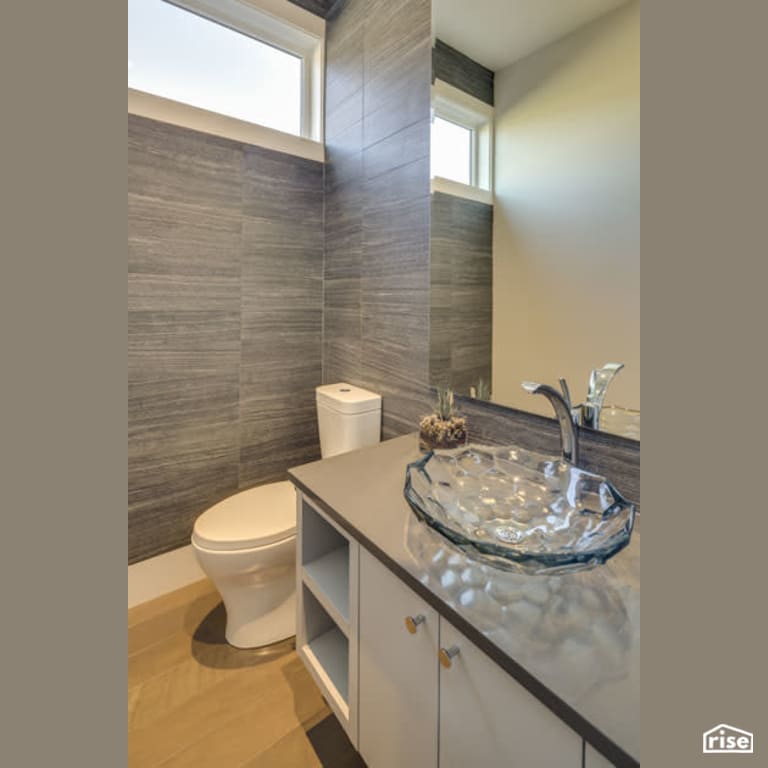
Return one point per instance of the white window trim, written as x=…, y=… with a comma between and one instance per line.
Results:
x=214, y=123
x=455, y=105
x=457, y=189
x=276, y=22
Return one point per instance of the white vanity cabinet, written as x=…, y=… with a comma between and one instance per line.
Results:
x=398, y=672
x=484, y=718
x=488, y=720
x=410, y=690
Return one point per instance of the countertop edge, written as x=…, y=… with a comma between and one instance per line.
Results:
x=564, y=711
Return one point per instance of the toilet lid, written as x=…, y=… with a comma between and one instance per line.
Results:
x=253, y=518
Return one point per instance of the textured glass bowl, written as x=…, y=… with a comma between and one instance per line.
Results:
x=520, y=510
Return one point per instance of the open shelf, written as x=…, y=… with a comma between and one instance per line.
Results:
x=328, y=578
x=326, y=627
x=330, y=651
x=325, y=650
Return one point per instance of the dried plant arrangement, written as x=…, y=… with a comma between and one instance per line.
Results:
x=482, y=391
x=443, y=428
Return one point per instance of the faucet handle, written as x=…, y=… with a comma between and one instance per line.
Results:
x=599, y=380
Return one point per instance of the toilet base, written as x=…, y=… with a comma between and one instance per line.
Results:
x=244, y=631
x=258, y=589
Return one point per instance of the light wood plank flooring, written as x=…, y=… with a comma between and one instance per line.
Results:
x=196, y=702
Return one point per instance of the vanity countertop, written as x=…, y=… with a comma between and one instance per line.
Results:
x=573, y=640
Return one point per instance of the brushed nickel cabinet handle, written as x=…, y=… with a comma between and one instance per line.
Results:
x=412, y=623
x=446, y=654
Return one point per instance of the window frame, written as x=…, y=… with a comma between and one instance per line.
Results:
x=281, y=25
x=456, y=106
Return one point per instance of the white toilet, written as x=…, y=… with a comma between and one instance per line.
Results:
x=246, y=544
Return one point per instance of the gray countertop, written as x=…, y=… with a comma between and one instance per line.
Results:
x=572, y=640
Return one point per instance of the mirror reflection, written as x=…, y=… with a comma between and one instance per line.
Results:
x=535, y=247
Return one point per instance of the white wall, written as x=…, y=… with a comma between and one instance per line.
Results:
x=162, y=574
x=567, y=218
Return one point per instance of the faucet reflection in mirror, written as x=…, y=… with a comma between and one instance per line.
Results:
x=587, y=414
x=593, y=412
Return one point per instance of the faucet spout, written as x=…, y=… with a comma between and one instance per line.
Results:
x=569, y=443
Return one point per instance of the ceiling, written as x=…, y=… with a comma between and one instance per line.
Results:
x=495, y=33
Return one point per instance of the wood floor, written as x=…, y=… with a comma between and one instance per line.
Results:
x=196, y=702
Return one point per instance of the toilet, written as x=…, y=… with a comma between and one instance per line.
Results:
x=246, y=544
x=347, y=418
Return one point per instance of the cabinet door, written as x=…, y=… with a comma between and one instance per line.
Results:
x=488, y=720
x=593, y=759
x=397, y=716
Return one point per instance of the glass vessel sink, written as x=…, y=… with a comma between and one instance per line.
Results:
x=520, y=510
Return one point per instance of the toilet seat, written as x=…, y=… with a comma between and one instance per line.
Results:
x=256, y=517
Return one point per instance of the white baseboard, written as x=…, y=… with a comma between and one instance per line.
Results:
x=160, y=575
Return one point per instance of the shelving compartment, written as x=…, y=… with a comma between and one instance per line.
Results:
x=325, y=565
x=327, y=578
x=326, y=652
x=327, y=610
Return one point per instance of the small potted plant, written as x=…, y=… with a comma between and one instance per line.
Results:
x=443, y=428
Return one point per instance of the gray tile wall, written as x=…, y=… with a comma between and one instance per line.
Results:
x=378, y=56
x=461, y=295
x=457, y=69
x=224, y=323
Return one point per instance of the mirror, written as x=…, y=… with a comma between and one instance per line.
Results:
x=535, y=233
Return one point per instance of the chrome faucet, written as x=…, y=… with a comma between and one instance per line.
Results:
x=569, y=443
x=588, y=412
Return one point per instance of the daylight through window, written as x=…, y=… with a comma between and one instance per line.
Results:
x=180, y=55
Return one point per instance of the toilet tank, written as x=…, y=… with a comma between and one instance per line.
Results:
x=347, y=417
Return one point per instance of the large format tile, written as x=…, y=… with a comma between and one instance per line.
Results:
x=270, y=445
x=348, y=111
x=170, y=237
x=394, y=28
x=344, y=53
x=174, y=475
x=405, y=146
x=279, y=187
x=398, y=97
x=342, y=361
x=343, y=156
x=461, y=297
x=376, y=306
x=225, y=315
x=457, y=69
x=179, y=165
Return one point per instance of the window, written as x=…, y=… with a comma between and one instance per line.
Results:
x=227, y=57
x=451, y=154
x=462, y=143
